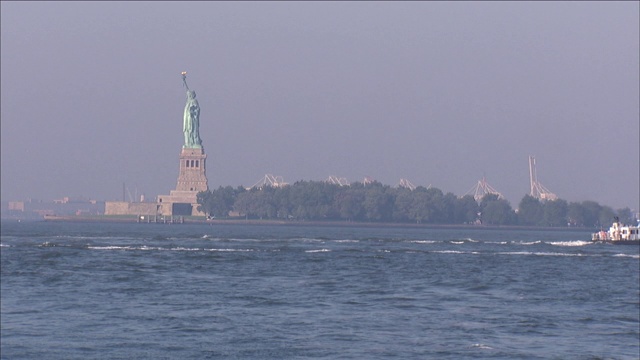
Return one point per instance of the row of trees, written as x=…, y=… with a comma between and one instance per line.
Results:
x=317, y=200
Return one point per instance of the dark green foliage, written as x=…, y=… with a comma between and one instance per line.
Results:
x=466, y=210
x=402, y=206
x=533, y=212
x=378, y=202
x=320, y=201
x=218, y=203
x=348, y=204
x=555, y=213
x=626, y=216
x=605, y=216
x=590, y=211
x=593, y=215
x=496, y=211
x=530, y=211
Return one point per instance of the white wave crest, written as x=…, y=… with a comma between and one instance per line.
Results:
x=147, y=248
x=633, y=256
x=555, y=254
x=347, y=241
x=179, y=248
x=230, y=250
x=319, y=250
x=423, y=241
x=530, y=243
x=311, y=240
x=482, y=346
x=537, y=253
x=571, y=243
x=111, y=248
x=516, y=253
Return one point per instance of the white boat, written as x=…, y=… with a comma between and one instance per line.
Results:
x=618, y=234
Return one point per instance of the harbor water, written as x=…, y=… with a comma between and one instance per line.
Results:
x=232, y=291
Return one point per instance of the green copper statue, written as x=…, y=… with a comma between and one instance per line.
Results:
x=191, y=123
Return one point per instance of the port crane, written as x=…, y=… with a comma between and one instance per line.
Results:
x=406, y=184
x=270, y=180
x=538, y=191
x=483, y=188
x=334, y=180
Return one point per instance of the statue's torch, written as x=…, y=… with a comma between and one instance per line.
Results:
x=184, y=79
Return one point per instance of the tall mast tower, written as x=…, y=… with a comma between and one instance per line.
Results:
x=538, y=191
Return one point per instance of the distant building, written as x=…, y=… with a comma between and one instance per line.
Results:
x=37, y=208
x=16, y=205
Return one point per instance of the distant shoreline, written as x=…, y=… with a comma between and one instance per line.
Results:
x=256, y=222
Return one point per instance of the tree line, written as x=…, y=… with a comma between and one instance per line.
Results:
x=375, y=202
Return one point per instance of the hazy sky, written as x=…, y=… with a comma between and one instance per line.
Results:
x=439, y=93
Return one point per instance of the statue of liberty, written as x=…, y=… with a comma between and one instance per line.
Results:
x=191, y=121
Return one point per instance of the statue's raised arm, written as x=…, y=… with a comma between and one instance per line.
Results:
x=184, y=80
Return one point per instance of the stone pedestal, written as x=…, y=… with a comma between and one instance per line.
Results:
x=191, y=180
x=192, y=171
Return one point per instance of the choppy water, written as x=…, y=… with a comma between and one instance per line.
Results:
x=152, y=291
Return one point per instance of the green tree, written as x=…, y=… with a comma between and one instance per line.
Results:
x=496, y=211
x=312, y=200
x=448, y=208
x=591, y=213
x=348, y=203
x=247, y=203
x=436, y=205
x=282, y=202
x=403, y=201
x=203, y=199
x=606, y=215
x=575, y=214
x=466, y=210
x=530, y=211
x=488, y=198
x=378, y=204
x=315, y=200
x=265, y=204
x=626, y=216
x=257, y=203
x=555, y=213
x=420, y=210
x=217, y=202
